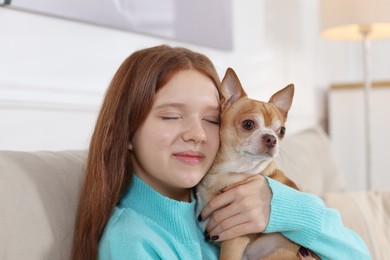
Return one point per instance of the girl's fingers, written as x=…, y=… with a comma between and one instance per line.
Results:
x=220, y=218
x=246, y=205
x=235, y=226
x=217, y=203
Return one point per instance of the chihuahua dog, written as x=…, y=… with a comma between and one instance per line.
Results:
x=250, y=133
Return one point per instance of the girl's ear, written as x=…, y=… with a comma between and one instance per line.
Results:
x=231, y=89
x=130, y=146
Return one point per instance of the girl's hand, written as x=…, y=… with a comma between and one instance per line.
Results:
x=240, y=210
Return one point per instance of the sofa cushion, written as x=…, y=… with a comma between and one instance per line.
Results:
x=308, y=159
x=368, y=214
x=38, y=196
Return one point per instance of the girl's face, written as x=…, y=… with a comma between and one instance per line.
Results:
x=175, y=146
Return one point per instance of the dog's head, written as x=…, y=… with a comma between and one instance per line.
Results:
x=251, y=130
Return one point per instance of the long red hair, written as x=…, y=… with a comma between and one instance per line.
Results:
x=127, y=103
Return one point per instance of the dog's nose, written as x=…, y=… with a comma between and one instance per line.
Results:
x=269, y=140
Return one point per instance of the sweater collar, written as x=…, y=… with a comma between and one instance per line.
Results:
x=176, y=217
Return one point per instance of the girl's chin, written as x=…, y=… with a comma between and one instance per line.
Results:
x=192, y=181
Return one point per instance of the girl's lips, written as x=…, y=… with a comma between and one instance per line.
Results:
x=190, y=157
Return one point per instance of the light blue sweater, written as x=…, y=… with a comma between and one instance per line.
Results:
x=147, y=225
x=310, y=224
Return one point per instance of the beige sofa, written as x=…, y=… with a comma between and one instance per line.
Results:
x=39, y=191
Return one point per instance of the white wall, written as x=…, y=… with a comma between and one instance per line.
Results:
x=53, y=72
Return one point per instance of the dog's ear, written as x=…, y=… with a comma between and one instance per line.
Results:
x=283, y=99
x=231, y=89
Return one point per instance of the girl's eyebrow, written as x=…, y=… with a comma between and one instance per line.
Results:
x=180, y=105
x=164, y=105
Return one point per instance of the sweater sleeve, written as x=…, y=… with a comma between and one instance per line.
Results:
x=304, y=219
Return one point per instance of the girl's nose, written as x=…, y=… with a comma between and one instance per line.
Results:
x=195, y=132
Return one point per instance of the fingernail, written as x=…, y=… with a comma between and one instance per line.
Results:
x=207, y=238
x=200, y=218
x=303, y=251
x=216, y=237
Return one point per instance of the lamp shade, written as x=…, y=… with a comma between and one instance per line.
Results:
x=348, y=19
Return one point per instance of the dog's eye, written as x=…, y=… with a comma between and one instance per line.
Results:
x=282, y=131
x=248, y=124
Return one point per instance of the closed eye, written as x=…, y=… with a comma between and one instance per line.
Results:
x=215, y=122
x=170, y=117
x=214, y=119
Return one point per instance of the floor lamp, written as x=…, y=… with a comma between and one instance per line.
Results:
x=358, y=20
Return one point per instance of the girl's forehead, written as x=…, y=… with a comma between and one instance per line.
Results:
x=188, y=86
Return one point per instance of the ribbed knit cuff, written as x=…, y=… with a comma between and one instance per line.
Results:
x=295, y=214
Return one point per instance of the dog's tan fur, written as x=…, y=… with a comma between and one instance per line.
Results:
x=243, y=154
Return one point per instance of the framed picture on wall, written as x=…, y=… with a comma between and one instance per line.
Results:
x=203, y=22
x=5, y=2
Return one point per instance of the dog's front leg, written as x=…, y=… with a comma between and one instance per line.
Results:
x=233, y=249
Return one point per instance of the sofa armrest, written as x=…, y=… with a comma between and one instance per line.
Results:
x=368, y=214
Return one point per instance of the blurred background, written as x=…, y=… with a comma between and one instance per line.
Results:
x=58, y=57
